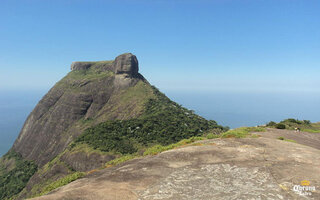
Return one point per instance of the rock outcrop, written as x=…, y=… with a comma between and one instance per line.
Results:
x=126, y=64
x=54, y=122
x=249, y=168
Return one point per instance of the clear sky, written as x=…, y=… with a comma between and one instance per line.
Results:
x=236, y=45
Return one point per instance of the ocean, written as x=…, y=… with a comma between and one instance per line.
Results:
x=237, y=109
x=15, y=106
x=233, y=109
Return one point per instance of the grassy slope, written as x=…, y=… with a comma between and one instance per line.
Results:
x=75, y=79
x=126, y=104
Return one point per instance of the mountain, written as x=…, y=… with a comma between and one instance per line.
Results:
x=101, y=111
x=91, y=90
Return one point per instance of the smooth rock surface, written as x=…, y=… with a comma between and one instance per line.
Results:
x=249, y=168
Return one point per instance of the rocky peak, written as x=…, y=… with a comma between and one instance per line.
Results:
x=123, y=64
x=126, y=64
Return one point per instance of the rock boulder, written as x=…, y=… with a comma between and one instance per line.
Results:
x=126, y=64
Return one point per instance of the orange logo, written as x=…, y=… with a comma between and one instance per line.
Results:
x=305, y=183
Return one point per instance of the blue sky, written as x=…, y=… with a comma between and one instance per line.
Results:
x=234, y=45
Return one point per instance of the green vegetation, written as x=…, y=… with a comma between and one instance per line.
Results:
x=163, y=122
x=288, y=140
x=295, y=121
x=242, y=132
x=12, y=181
x=292, y=124
x=212, y=136
x=86, y=75
x=280, y=126
x=60, y=182
x=272, y=123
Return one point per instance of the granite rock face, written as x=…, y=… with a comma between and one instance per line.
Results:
x=83, y=94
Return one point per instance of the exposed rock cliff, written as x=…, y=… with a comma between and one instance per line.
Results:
x=87, y=92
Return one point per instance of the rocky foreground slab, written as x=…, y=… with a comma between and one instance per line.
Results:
x=248, y=168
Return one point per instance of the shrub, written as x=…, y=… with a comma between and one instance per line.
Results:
x=307, y=122
x=271, y=123
x=291, y=120
x=212, y=136
x=281, y=126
